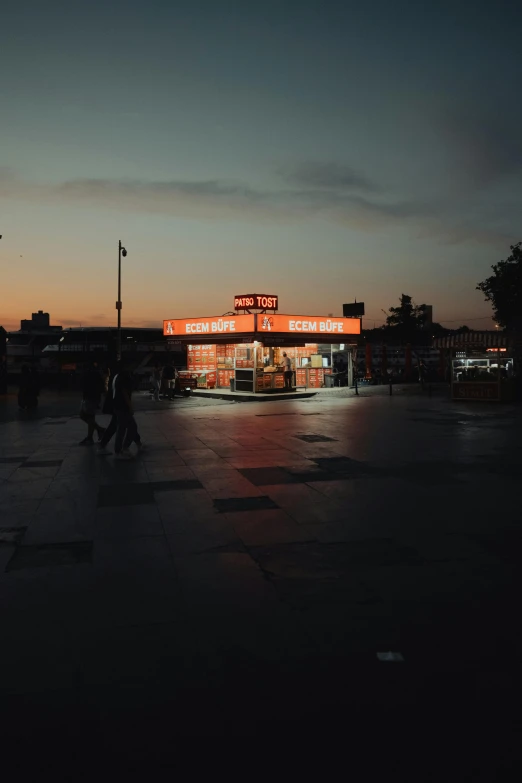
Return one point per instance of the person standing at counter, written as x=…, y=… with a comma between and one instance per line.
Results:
x=287, y=369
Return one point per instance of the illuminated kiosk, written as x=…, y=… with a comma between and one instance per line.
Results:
x=243, y=351
x=480, y=366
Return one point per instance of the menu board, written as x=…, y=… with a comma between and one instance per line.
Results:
x=279, y=380
x=316, y=377
x=300, y=377
x=224, y=377
x=201, y=357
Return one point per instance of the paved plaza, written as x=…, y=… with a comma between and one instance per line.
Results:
x=240, y=578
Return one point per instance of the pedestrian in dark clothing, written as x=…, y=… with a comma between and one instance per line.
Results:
x=108, y=407
x=92, y=392
x=3, y=374
x=169, y=379
x=127, y=429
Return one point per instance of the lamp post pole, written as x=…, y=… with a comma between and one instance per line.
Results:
x=121, y=252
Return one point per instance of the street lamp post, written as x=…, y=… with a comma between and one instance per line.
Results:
x=121, y=252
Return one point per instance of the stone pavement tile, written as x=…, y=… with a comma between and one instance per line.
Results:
x=82, y=464
x=212, y=471
x=412, y=584
x=342, y=628
x=304, y=591
x=215, y=443
x=323, y=519
x=176, y=517
x=269, y=475
x=165, y=472
x=78, y=487
x=270, y=526
x=36, y=462
x=228, y=484
x=231, y=582
x=61, y=520
x=34, y=556
x=155, y=459
x=6, y=472
x=268, y=459
x=237, y=450
x=115, y=472
x=193, y=536
x=475, y=580
x=235, y=505
x=35, y=660
x=11, y=535
x=132, y=555
x=151, y=656
x=53, y=452
x=314, y=438
x=45, y=597
x=114, y=495
x=18, y=513
x=201, y=456
x=180, y=485
x=134, y=582
x=288, y=496
x=6, y=553
x=131, y=599
x=311, y=450
x=445, y=547
x=128, y=521
x=244, y=641
x=18, y=492
x=13, y=460
x=255, y=443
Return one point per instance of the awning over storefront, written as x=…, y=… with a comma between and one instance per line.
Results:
x=472, y=340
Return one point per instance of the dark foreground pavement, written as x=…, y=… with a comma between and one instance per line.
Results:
x=229, y=590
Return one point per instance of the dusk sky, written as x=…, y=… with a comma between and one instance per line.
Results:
x=318, y=150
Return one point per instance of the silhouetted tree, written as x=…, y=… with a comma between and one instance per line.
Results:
x=407, y=319
x=504, y=290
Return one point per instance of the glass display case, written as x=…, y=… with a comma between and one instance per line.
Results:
x=484, y=375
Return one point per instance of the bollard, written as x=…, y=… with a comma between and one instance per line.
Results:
x=429, y=390
x=391, y=392
x=356, y=387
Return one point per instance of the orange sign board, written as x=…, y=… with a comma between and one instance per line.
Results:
x=214, y=325
x=308, y=324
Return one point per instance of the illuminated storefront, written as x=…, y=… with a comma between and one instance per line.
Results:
x=480, y=365
x=244, y=350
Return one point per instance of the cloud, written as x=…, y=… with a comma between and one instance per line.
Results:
x=483, y=146
x=236, y=201
x=327, y=176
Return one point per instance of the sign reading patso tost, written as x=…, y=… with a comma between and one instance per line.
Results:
x=230, y=324
x=308, y=324
x=256, y=302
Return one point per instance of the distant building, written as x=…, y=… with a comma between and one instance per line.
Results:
x=428, y=315
x=39, y=323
